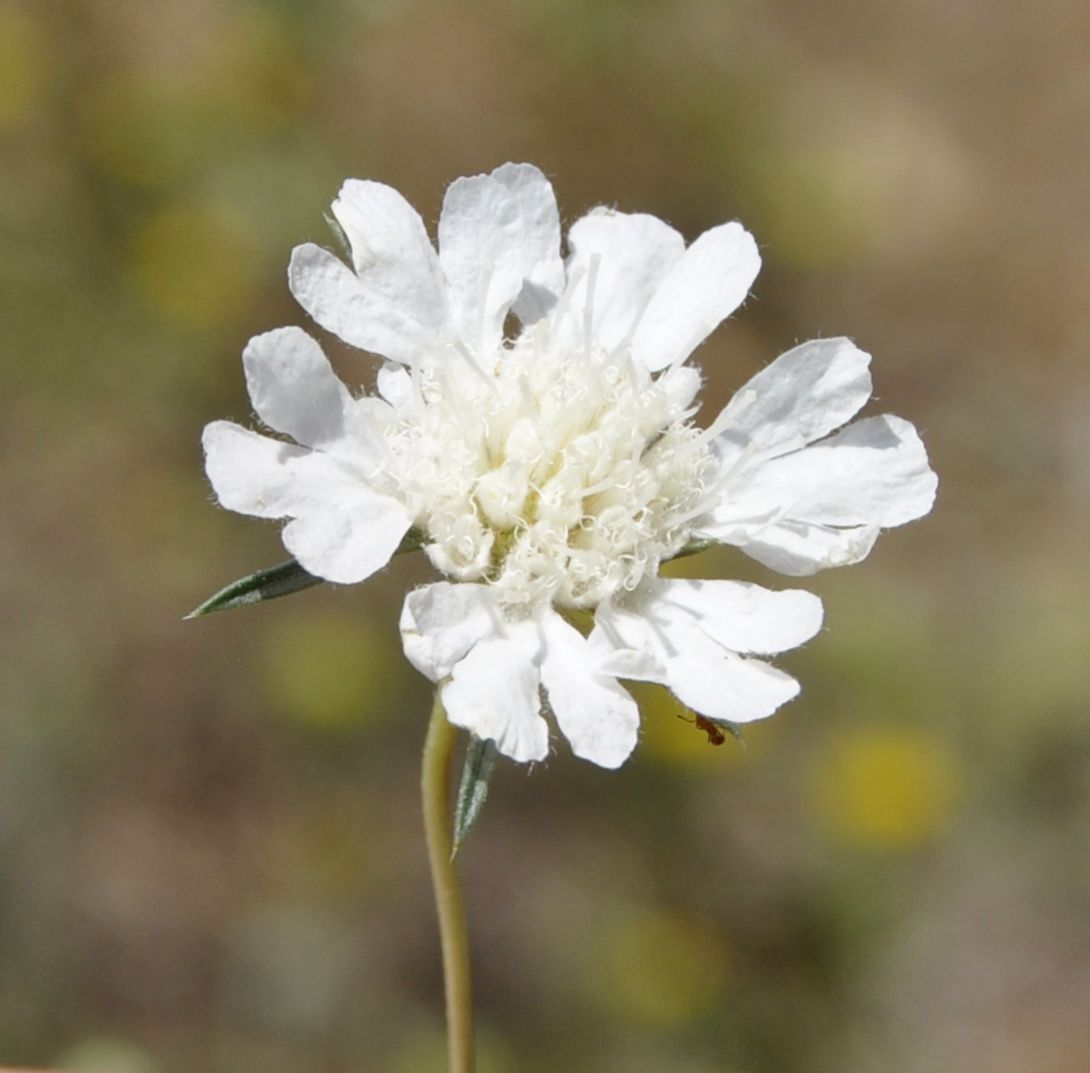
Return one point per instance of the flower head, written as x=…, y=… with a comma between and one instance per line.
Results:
x=533, y=422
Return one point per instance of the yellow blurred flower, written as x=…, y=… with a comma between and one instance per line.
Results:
x=193, y=264
x=886, y=787
x=142, y=129
x=323, y=672
x=659, y=968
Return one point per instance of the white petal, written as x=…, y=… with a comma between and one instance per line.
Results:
x=593, y=711
x=823, y=506
x=395, y=301
x=800, y=549
x=494, y=692
x=617, y=261
x=498, y=233
x=722, y=685
x=703, y=287
x=395, y=385
x=545, y=280
x=803, y=395
x=874, y=472
x=350, y=542
x=370, y=313
x=343, y=531
x=294, y=389
x=625, y=644
x=267, y=478
x=698, y=670
x=440, y=623
x=681, y=385
x=740, y=616
x=620, y=653
x=391, y=250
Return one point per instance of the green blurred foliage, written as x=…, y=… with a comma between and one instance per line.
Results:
x=210, y=855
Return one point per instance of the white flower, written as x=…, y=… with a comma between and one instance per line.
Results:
x=557, y=467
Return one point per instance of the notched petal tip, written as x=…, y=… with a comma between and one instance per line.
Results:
x=441, y=622
x=702, y=288
x=250, y=473
x=293, y=387
x=499, y=242
x=594, y=712
x=392, y=300
x=806, y=393
x=920, y=482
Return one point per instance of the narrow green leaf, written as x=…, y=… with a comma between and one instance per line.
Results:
x=280, y=580
x=479, y=764
x=267, y=584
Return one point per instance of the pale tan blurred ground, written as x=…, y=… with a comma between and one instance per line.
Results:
x=209, y=848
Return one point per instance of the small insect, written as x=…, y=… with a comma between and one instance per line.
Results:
x=715, y=734
x=713, y=730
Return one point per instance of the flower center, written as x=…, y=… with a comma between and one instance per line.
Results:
x=556, y=476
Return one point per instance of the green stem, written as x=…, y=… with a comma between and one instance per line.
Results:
x=453, y=936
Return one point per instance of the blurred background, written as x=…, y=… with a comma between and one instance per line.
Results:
x=210, y=847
